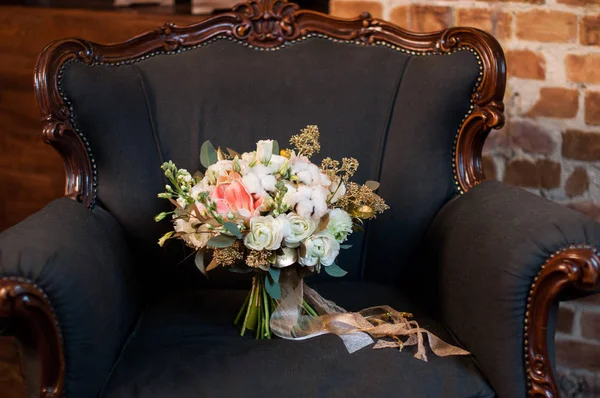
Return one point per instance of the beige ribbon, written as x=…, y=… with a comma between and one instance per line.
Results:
x=356, y=329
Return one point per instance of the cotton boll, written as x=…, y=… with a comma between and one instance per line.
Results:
x=319, y=201
x=253, y=184
x=315, y=174
x=305, y=176
x=305, y=208
x=268, y=182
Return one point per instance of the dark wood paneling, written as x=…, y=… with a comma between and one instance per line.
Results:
x=31, y=173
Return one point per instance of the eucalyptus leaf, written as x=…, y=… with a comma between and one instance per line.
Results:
x=275, y=147
x=199, y=261
x=232, y=228
x=334, y=270
x=274, y=273
x=212, y=265
x=208, y=154
x=372, y=185
x=220, y=241
x=273, y=288
x=345, y=246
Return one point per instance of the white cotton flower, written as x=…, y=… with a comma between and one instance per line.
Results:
x=196, y=239
x=340, y=224
x=300, y=229
x=276, y=163
x=202, y=186
x=267, y=233
x=264, y=151
x=320, y=248
x=252, y=183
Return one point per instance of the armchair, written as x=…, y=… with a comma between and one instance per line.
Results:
x=480, y=264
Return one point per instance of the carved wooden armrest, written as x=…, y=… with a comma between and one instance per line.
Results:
x=575, y=268
x=23, y=301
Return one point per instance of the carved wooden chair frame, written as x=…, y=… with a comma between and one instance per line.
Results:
x=267, y=26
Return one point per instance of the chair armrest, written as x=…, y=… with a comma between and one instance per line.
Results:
x=64, y=271
x=504, y=258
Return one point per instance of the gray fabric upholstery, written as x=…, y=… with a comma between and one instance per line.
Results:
x=185, y=346
x=80, y=259
x=485, y=249
x=397, y=114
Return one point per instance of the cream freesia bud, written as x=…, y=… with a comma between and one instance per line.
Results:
x=264, y=151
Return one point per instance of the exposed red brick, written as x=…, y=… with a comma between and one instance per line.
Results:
x=583, y=68
x=496, y=22
x=497, y=140
x=580, y=2
x=590, y=325
x=547, y=26
x=557, y=102
x=531, y=137
x=581, y=145
x=564, y=322
x=515, y=1
x=589, y=30
x=541, y=174
x=400, y=15
x=425, y=18
x=577, y=183
x=591, y=210
x=592, y=107
x=526, y=64
x=489, y=168
x=578, y=355
x=352, y=9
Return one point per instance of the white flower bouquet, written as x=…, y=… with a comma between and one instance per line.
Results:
x=275, y=213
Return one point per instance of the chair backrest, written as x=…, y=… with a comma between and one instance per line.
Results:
x=414, y=109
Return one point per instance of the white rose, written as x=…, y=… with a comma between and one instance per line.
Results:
x=218, y=169
x=267, y=232
x=264, y=151
x=193, y=237
x=340, y=224
x=320, y=248
x=300, y=229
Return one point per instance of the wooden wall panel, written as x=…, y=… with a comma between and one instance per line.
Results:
x=31, y=173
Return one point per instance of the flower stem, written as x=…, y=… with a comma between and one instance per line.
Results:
x=310, y=310
x=250, y=302
x=244, y=307
x=267, y=314
x=259, y=309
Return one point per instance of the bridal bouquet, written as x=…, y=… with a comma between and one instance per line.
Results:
x=276, y=214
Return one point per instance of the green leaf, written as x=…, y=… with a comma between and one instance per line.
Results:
x=334, y=270
x=233, y=229
x=273, y=288
x=220, y=241
x=199, y=260
x=345, y=246
x=208, y=154
x=275, y=147
x=274, y=273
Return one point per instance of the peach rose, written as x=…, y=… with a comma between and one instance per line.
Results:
x=232, y=196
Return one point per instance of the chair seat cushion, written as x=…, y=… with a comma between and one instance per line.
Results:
x=187, y=346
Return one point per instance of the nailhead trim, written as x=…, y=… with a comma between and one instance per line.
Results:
x=529, y=300
x=280, y=47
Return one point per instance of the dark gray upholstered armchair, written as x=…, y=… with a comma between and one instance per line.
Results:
x=480, y=264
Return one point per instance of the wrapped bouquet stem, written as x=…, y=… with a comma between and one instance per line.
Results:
x=277, y=215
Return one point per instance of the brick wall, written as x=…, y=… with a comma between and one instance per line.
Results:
x=551, y=142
